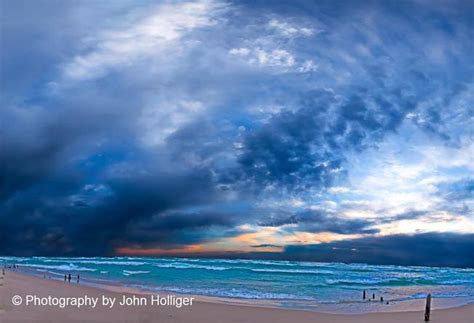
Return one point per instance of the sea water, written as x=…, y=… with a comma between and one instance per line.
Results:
x=287, y=282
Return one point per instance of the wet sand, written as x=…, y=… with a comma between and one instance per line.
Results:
x=203, y=310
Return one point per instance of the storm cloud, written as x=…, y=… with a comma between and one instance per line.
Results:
x=317, y=221
x=427, y=249
x=185, y=123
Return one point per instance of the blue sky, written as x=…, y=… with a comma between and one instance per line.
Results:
x=219, y=127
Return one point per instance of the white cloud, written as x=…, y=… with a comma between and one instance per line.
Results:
x=398, y=177
x=161, y=120
x=279, y=59
x=267, y=49
x=240, y=51
x=339, y=189
x=164, y=26
x=307, y=66
x=289, y=30
x=261, y=57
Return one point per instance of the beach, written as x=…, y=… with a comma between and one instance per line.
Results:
x=202, y=309
x=322, y=287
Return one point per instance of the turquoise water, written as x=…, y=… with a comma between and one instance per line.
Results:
x=260, y=279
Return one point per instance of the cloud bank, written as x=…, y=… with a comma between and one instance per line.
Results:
x=233, y=126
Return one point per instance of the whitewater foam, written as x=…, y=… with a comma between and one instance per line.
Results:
x=69, y=267
x=137, y=272
x=259, y=279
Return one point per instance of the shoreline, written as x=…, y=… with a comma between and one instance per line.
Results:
x=203, y=310
x=330, y=307
x=342, y=308
x=322, y=287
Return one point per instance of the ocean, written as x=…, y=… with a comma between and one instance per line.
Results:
x=287, y=283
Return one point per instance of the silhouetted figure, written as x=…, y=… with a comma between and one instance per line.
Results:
x=381, y=299
x=363, y=294
x=65, y=277
x=373, y=296
x=78, y=278
x=69, y=278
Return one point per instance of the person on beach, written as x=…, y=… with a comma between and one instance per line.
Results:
x=65, y=277
x=69, y=278
x=78, y=278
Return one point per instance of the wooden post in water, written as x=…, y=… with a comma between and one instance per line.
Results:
x=428, y=308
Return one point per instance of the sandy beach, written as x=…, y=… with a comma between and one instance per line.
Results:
x=14, y=283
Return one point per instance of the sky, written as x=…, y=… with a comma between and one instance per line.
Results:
x=307, y=130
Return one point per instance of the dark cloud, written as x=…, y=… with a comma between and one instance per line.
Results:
x=266, y=245
x=89, y=165
x=135, y=209
x=456, y=196
x=176, y=229
x=457, y=191
x=306, y=148
x=407, y=215
x=429, y=249
x=317, y=221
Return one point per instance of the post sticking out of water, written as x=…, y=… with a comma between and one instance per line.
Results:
x=428, y=308
x=363, y=294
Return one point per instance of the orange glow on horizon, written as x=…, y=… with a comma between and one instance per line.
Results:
x=267, y=240
x=131, y=251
